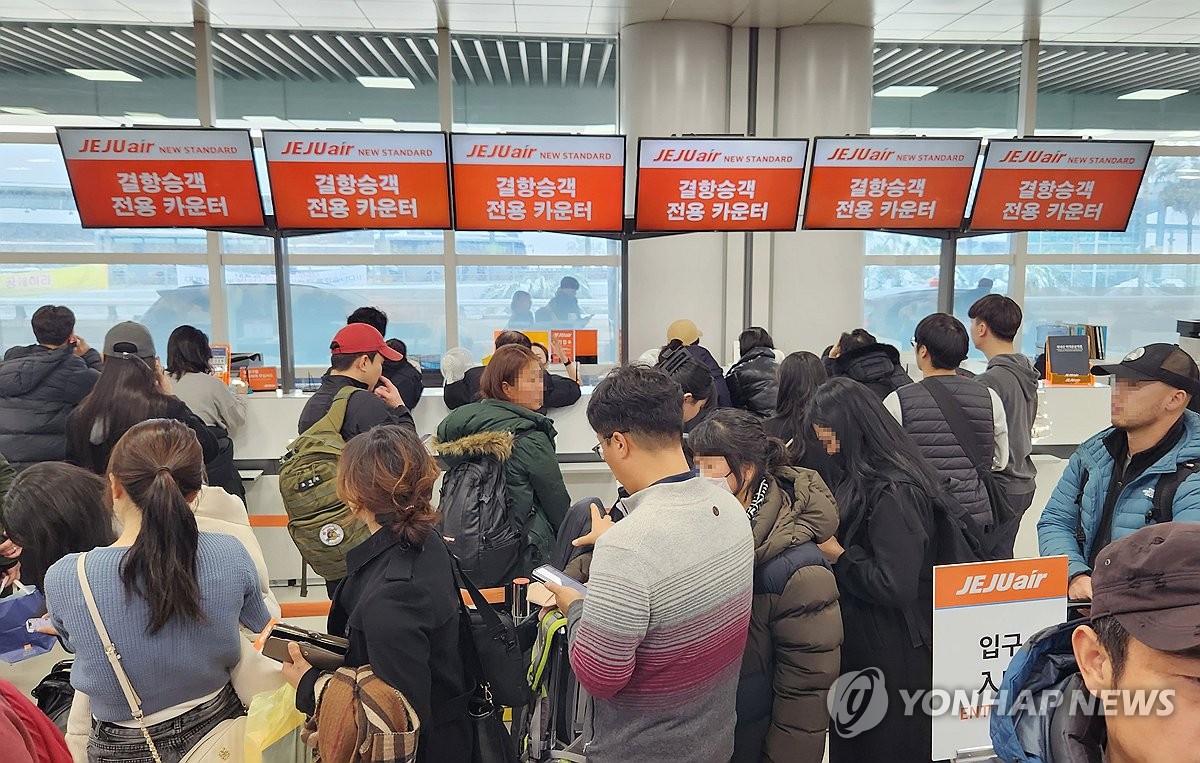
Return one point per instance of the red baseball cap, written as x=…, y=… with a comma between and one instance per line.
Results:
x=359, y=337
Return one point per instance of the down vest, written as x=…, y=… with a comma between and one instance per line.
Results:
x=753, y=382
x=39, y=388
x=793, y=652
x=534, y=480
x=924, y=421
x=1062, y=516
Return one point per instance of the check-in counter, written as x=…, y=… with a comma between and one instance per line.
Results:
x=1072, y=414
x=271, y=421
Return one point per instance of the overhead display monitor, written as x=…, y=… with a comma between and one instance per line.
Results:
x=719, y=184
x=1032, y=185
x=890, y=183
x=358, y=179
x=565, y=183
x=162, y=178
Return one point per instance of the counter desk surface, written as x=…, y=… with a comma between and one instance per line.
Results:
x=1071, y=415
x=271, y=424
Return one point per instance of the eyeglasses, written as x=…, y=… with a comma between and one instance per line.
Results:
x=715, y=476
x=598, y=448
x=913, y=342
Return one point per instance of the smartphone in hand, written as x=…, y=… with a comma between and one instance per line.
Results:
x=548, y=574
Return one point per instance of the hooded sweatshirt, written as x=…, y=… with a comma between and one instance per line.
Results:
x=1014, y=380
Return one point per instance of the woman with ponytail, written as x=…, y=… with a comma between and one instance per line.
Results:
x=171, y=598
x=399, y=603
x=793, y=651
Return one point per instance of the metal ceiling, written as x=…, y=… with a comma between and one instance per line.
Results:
x=145, y=51
x=1061, y=68
x=164, y=51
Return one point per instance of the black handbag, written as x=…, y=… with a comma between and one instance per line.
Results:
x=492, y=741
x=502, y=661
x=54, y=694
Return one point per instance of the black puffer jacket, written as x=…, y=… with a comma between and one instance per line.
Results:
x=754, y=382
x=875, y=365
x=39, y=388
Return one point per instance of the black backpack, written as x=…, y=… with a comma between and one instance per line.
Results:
x=477, y=521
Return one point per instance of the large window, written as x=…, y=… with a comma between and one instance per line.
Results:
x=279, y=78
x=1138, y=281
x=486, y=296
x=101, y=294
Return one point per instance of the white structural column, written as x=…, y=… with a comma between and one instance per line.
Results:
x=823, y=88
x=675, y=80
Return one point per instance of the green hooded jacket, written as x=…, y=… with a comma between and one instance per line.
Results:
x=535, y=482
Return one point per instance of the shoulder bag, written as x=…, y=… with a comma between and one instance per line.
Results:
x=956, y=417
x=224, y=744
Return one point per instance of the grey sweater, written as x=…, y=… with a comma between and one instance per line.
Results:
x=1012, y=378
x=211, y=400
x=658, y=641
x=183, y=661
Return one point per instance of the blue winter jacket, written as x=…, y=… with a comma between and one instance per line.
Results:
x=1043, y=712
x=1060, y=520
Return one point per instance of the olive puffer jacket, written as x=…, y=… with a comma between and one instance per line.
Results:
x=793, y=653
x=754, y=383
x=534, y=480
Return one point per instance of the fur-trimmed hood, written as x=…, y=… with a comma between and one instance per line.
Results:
x=498, y=445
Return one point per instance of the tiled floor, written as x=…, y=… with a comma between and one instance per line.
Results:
x=26, y=675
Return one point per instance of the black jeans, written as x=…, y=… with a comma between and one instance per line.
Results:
x=110, y=743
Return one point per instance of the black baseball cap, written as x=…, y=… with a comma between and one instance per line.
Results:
x=1167, y=363
x=1150, y=582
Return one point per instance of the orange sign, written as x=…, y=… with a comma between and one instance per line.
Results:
x=334, y=179
x=578, y=344
x=260, y=379
x=162, y=178
x=539, y=182
x=719, y=184
x=1059, y=185
x=965, y=585
x=873, y=183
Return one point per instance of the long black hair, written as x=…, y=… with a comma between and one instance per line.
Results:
x=800, y=374
x=188, y=352
x=55, y=509
x=159, y=463
x=739, y=438
x=874, y=450
x=677, y=362
x=126, y=393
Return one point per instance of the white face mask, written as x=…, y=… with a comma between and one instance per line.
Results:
x=720, y=483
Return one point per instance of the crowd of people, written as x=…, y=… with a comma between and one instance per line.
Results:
x=777, y=526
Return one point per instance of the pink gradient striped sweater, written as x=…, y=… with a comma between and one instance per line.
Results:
x=658, y=641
